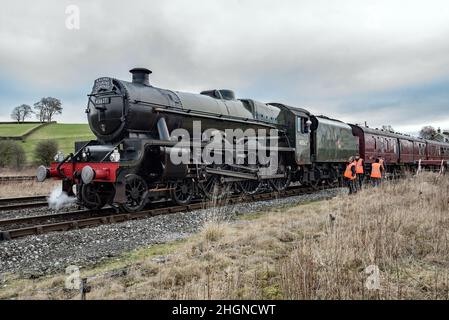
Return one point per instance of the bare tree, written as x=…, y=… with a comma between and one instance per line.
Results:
x=40, y=111
x=26, y=111
x=21, y=112
x=47, y=108
x=54, y=107
x=16, y=114
x=388, y=127
x=428, y=132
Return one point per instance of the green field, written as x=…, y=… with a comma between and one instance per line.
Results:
x=15, y=129
x=64, y=134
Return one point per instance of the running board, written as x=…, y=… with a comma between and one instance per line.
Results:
x=240, y=175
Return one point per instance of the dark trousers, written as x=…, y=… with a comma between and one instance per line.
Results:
x=351, y=186
x=360, y=179
x=376, y=181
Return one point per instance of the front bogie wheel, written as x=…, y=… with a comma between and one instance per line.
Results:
x=95, y=196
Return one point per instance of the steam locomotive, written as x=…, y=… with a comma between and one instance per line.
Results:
x=130, y=164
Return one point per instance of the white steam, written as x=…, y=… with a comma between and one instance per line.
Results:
x=59, y=199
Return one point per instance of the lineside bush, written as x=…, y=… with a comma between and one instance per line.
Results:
x=45, y=151
x=12, y=155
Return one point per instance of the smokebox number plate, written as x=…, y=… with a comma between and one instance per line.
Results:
x=102, y=100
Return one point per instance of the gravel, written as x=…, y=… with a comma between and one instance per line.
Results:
x=39, y=255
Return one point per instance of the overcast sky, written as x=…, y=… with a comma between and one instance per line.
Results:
x=384, y=62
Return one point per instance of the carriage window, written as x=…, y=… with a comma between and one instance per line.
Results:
x=421, y=149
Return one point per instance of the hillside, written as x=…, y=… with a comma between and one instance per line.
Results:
x=383, y=243
x=16, y=130
x=64, y=134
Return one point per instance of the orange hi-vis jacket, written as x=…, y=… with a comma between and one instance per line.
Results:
x=348, y=171
x=359, y=166
x=375, y=170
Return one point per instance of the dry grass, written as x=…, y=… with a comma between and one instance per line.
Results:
x=314, y=251
x=28, y=188
x=402, y=228
x=25, y=188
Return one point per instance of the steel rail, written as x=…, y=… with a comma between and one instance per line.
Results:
x=22, y=203
x=108, y=216
x=7, y=179
x=21, y=199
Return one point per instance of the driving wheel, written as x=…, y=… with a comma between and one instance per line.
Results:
x=136, y=191
x=214, y=189
x=182, y=191
x=250, y=186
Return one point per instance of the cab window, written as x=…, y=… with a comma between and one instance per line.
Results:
x=301, y=126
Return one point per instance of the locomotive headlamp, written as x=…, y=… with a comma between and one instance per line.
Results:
x=85, y=154
x=87, y=174
x=115, y=156
x=59, y=157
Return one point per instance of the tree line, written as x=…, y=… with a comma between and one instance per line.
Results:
x=430, y=133
x=45, y=110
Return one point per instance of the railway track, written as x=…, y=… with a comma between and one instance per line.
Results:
x=22, y=203
x=8, y=179
x=11, y=229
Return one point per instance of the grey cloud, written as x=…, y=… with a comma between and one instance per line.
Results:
x=318, y=53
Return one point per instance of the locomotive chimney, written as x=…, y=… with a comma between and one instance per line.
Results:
x=141, y=75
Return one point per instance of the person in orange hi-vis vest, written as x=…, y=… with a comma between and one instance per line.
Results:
x=360, y=171
x=376, y=172
x=350, y=175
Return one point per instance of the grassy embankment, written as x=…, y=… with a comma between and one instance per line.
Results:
x=15, y=129
x=64, y=134
x=318, y=250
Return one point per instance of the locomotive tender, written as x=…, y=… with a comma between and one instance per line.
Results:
x=129, y=164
